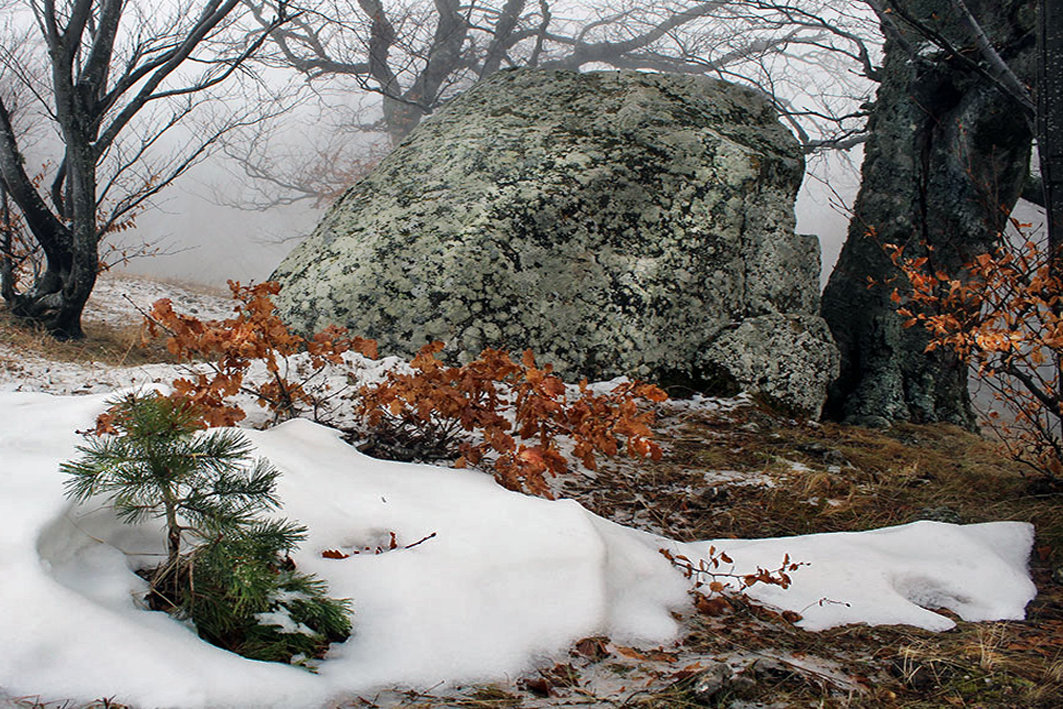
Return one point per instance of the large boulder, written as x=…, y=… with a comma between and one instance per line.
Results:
x=615, y=223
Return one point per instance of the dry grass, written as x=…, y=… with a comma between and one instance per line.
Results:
x=837, y=478
x=103, y=343
x=39, y=703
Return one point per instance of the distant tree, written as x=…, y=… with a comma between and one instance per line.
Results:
x=118, y=76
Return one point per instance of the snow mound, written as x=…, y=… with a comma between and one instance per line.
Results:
x=505, y=582
x=894, y=575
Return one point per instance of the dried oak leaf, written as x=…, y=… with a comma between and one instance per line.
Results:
x=713, y=606
x=334, y=554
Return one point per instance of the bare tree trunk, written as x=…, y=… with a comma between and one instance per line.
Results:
x=7, y=247
x=81, y=278
x=1050, y=111
x=1050, y=138
x=93, y=99
x=944, y=165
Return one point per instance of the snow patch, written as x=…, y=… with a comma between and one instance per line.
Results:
x=506, y=582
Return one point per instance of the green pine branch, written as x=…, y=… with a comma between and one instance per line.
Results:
x=236, y=583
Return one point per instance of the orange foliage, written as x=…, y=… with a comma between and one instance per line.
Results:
x=229, y=346
x=450, y=402
x=440, y=404
x=1003, y=314
x=708, y=572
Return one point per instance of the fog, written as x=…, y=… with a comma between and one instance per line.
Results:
x=203, y=239
x=203, y=242
x=207, y=243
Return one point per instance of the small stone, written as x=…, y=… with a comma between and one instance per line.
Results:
x=869, y=421
x=939, y=514
x=709, y=683
x=835, y=457
x=787, y=359
x=768, y=668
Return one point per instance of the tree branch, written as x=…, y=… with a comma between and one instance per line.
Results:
x=49, y=231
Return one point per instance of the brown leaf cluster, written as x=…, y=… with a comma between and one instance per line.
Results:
x=228, y=347
x=708, y=572
x=446, y=403
x=455, y=401
x=1002, y=312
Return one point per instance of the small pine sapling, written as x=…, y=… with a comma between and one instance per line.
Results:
x=227, y=569
x=156, y=467
x=249, y=598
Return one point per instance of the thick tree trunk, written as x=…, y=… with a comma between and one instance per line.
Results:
x=945, y=163
x=57, y=299
x=1050, y=110
x=85, y=262
x=68, y=236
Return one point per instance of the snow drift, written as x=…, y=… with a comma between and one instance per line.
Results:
x=506, y=581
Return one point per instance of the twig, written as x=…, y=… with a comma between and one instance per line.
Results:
x=420, y=541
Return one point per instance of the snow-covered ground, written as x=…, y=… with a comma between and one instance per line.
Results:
x=507, y=582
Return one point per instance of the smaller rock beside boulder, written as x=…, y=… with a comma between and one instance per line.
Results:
x=783, y=358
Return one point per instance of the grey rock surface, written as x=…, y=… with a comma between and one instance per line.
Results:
x=616, y=223
x=710, y=683
x=787, y=359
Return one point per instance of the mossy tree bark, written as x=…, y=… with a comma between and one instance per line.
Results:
x=945, y=163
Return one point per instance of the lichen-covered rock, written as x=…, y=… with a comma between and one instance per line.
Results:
x=786, y=359
x=615, y=223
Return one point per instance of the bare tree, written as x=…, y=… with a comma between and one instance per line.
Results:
x=19, y=254
x=416, y=54
x=122, y=78
x=278, y=165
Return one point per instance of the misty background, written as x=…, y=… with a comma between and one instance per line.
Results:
x=207, y=242
x=208, y=231
x=216, y=223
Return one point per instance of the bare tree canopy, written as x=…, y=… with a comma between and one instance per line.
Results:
x=111, y=78
x=816, y=59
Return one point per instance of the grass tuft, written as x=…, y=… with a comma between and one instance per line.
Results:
x=104, y=343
